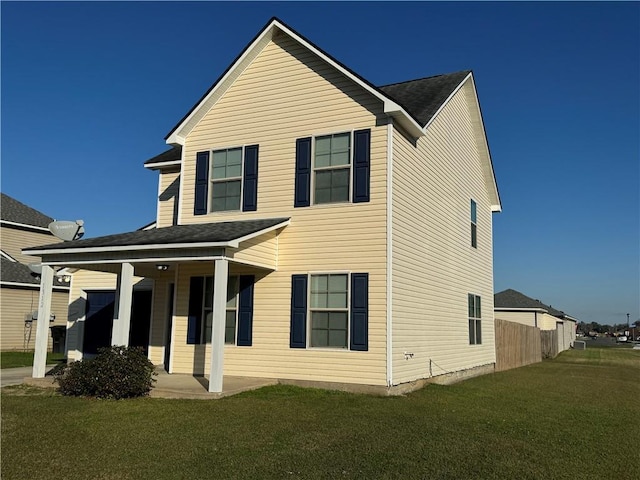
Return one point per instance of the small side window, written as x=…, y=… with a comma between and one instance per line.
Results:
x=474, y=225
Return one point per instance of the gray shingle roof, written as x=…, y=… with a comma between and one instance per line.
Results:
x=171, y=155
x=513, y=299
x=17, y=272
x=423, y=97
x=198, y=233
x=11, y=210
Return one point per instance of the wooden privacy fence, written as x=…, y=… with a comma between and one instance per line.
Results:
x=517, y=345
x=549, y=343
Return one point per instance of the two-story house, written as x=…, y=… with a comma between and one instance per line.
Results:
x=313, y=228
x=22, y=226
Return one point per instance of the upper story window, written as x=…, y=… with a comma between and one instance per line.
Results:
x=474, y=224
x=226, y=180
x=333, y=168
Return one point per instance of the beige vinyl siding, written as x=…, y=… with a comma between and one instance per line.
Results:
x=15, y=239
x=525, y=318
x=285, y=94
x=83, y=281
x=261, y=251
x=15, y=305
x=434, y=265
x=168, y=197
x=547, y=322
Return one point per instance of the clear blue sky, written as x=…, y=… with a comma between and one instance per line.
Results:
x=89, y=91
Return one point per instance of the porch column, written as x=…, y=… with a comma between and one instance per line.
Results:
x=122, y=308
x=220, y=278
x=42, y=330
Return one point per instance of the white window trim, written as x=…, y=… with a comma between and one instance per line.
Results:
x=313, y=168
x=473, y=202
x=310, y=310
x=203, y=329
x=476, y=319
x=228, y=179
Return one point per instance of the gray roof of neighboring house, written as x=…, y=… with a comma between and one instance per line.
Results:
x=513, y=299
x=197, y=233
x=11, y=210
x=16, y=272
x=423, y=97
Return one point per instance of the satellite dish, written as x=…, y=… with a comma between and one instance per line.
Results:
x=66, y=230
x=36, y=268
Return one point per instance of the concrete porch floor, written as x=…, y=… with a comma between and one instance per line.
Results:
x=178, y=385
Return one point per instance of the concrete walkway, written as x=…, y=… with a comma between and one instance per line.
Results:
x=14, y=376
x=166, y=386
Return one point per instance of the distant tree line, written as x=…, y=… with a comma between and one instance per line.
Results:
x=600, y=328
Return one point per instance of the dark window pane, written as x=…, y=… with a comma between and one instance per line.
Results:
x=472, y=332
x=230, y=327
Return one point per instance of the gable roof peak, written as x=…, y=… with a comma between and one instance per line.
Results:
x=275, y=26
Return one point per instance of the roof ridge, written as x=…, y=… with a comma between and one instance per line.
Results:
x=424, y=78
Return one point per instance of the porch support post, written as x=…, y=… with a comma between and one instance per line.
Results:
x=122, y=308
x=220, y=278
x=42, y=330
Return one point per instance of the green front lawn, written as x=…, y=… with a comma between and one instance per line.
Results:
x=25, y=359
x=568, y=418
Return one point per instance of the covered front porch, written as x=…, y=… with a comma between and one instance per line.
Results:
x=182, y=385
x=223, y=254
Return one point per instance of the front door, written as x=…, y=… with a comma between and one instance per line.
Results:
x=167, y=340
x=140, y=319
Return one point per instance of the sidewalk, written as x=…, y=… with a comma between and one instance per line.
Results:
x=16, y=376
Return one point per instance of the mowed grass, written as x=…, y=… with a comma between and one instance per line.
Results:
x=25, y=359
x=574, y=417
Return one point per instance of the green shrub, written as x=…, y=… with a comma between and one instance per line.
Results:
x=116, y=372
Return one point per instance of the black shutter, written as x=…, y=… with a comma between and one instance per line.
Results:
x=194, y=320
x=298, y=336
x=202, y=183
x=361, y=165
x=245, y=310
x=303, y=173
x=250, y=180
x=360, y=311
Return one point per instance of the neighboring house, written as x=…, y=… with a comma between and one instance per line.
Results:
x=312, y=228
x=21, y=227
x=514, y=306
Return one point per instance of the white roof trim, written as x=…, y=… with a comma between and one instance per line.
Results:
x=518, y=309
x=444, y=104
x=179, y=134
x=7, y=256
x=483, y=147
x=157, y=165
x=237, y=241
x=24, y=225
x=155, y=246
x=30, y=285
